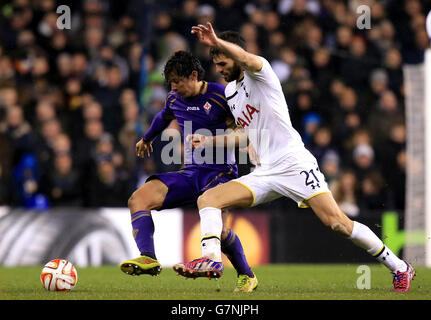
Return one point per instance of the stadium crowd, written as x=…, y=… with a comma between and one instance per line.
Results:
x=73, y=102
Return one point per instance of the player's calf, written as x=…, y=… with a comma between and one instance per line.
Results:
x=327, y=210
x=340, y=228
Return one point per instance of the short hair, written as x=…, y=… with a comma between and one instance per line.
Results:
x=230, y=36
x=183, y=63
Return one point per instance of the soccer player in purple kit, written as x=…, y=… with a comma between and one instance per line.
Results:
x=203, y=105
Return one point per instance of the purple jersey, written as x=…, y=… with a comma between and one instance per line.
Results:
x=207, y=111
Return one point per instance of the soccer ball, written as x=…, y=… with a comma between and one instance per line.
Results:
x=59, y=275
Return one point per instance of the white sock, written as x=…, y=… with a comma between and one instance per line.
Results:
x=363, y=237
x=211, y=228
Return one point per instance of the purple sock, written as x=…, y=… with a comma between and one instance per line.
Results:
x=232, y=248
x=143, y=231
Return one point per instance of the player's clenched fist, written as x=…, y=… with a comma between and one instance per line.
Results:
x=144, y=147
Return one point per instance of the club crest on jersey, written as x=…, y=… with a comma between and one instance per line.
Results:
x=207, y=107
x=247, y=118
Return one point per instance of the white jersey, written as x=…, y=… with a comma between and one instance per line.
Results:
x=287, y=168
x=258, y=104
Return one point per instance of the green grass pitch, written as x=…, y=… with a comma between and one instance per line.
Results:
x=276, y=282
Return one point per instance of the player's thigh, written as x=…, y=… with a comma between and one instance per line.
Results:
x=328, y=211
x=227, y=195
x=149, y=196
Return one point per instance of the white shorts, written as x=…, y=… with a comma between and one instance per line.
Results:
x=298, y=178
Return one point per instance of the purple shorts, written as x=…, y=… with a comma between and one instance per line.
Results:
x=187, y=184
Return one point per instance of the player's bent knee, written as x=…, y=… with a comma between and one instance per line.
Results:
x=207, y=200
x=136, y=203
x=202, y=201
x=131, y=200
x=145, y=199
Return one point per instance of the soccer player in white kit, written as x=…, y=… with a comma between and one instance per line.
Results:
x=286, y=167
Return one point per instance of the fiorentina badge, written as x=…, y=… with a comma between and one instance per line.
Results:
x=207, y=107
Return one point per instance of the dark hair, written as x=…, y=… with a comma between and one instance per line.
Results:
x=230, y=36
x=183, y=63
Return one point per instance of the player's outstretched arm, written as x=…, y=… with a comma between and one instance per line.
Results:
x=246, y=59
x=234, y=138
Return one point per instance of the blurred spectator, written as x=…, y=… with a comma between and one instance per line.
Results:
x=62, y=184
x=393, y=154
x=154, y=95
x=206, y=12
x=107, y=92
x=62, y=144
x=372, y=195
x=86, y=146
x=45, y=111
x=295, y=15
x=109, y=187
x=347, y=118
x=360, y=136
x=186, y=18
x=321, y=143
x=355, y=68
x=50, y=130
x=299, y=80
x=128, y=138
x=8, y=97
x=26, y=179
x=388, y=112
x=7, y=71
x=130, y=133
x=313, y=40
x=62, y=91
x=363, y=160
x=393, y=66
x=282, y=65
x=64, y=67
x=20, y=133
x=227, y=15
x=302, y=106
x=135, y=64
x=379, y=83
x=344, y=190
x=106, y=149
x=80, y=66
x=322, y=71
x=330, y=166
x=310, y=124
x=406, y=15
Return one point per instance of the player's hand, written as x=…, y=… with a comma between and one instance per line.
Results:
x=252, y=154
x=205, y=34
x=197, y=140
x=144, y=148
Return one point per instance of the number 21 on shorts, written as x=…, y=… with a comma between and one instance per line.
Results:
x=311, y=178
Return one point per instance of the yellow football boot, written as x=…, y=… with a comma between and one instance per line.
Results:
x=141, y=265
